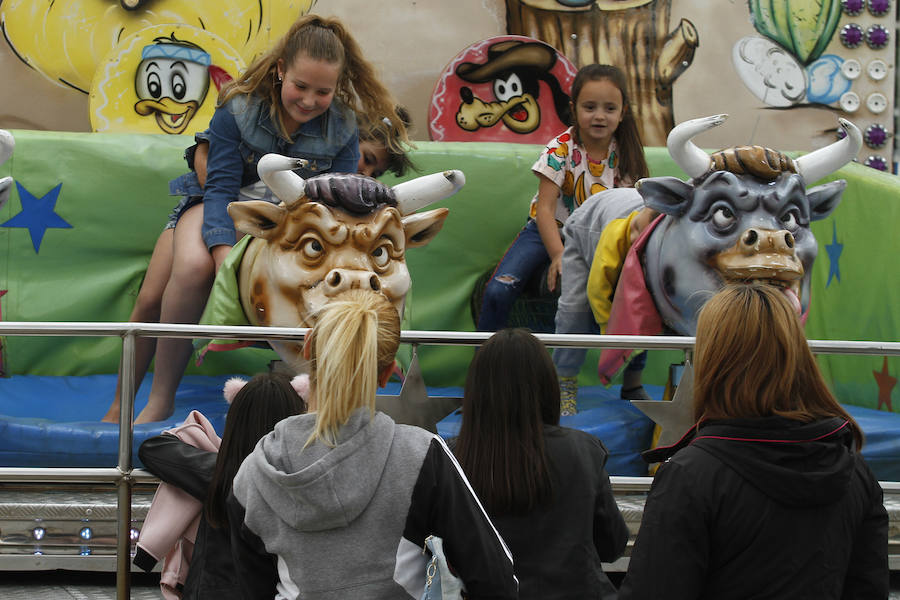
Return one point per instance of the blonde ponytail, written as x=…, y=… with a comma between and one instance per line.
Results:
x=355, y=338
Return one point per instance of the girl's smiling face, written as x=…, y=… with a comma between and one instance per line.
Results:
x=598, y=111
x=307, y=89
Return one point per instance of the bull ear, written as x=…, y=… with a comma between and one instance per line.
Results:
x=668, y=195
x=824, y=198
x=420, y=228
x=258, y=218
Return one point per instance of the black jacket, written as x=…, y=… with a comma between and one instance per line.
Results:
x=212, y=573
x=762, y=508
x=557, y=549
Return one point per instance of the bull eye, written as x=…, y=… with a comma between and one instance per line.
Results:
x=311, y=248
x=381, y=257
x=723, y=218
x=790, y=221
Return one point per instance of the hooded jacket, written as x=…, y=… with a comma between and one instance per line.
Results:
x=762, y=508
x=351, y=521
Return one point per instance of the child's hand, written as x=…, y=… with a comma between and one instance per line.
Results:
x=201, y=154
x=554, y=272
x=640, y=222
x=219, y=253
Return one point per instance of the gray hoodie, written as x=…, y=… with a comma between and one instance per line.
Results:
x=350, y=521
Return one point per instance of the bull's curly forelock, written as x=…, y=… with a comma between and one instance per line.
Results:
x=355, y=194
x=764, y=163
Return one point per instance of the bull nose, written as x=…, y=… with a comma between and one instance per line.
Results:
x=756, y=240
x=339, y=280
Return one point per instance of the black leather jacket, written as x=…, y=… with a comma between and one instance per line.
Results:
x=211, y=573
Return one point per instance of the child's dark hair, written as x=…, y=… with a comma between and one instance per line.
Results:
x=632, y=163
x=398, y=158
x=511, y=392
x=257, y=407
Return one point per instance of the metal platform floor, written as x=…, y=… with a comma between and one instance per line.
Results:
x=72, y=585
x=69, y=585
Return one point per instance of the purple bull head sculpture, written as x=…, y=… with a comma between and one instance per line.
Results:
x=744, y=214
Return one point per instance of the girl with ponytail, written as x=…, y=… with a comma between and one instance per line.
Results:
x=304, y=99
x=344, y=496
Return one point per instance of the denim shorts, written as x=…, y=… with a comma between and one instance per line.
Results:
x=180, y=208
x=257, y=191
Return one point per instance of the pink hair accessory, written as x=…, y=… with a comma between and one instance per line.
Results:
x=232, y=387
x=300, y=383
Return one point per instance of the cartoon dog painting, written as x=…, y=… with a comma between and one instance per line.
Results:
x=503, y=89
x=515, y=70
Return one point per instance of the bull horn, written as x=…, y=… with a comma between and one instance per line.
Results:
x=277, y=173
x=816, y=165
x=692, y=160
x=420, y=192
x=7, y=143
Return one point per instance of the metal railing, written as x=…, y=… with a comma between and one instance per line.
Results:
x=124, y=476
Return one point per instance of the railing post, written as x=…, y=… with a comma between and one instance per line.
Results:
x=126, y=435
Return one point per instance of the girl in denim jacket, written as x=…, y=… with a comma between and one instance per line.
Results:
x=301, y=99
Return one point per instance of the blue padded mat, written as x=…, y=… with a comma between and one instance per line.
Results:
x=623, y=429
x=626, y=432
x=55, y=422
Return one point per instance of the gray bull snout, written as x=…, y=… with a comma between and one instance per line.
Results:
x=756, y=240
x=761, y=254
x=341, y=280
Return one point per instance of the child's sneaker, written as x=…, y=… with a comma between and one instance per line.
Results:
x=568, y=395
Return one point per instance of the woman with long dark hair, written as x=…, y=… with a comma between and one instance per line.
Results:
x=768, y=495
x=544, y=486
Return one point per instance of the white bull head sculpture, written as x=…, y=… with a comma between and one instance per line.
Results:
x=330, y=233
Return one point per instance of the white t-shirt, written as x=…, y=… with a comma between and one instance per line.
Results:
x=566, y=164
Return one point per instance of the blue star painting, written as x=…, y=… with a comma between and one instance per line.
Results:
x=37, y=214
x=834, y=250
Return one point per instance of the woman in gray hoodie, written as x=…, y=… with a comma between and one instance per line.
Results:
x=343, y=496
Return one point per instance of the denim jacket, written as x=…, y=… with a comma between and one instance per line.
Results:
x=240, y=133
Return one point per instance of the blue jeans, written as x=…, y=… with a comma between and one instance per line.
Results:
x=568, y=361
x=525, y=257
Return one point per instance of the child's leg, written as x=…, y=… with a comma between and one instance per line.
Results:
x=147, y=310
x=185, y=297
x=632, y=388
x=573, y=315
x=524, y=257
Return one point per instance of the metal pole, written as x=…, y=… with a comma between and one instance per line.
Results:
x=126, y=416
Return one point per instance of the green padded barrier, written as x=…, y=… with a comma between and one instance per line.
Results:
x=114, y=195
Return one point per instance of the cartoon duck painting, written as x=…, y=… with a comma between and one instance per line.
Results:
x=171, y=82
x=67, y=40
x=157, y=80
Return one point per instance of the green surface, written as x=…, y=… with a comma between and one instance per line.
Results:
x=114, y=194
